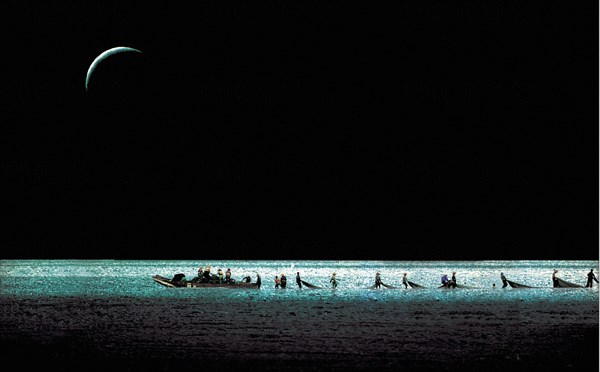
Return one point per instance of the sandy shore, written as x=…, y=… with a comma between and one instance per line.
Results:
x=169, y=334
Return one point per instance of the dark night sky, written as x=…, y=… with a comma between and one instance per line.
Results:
x=302, y=129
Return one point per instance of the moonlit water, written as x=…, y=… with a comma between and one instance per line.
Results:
x=133, y=278
x=86, y=312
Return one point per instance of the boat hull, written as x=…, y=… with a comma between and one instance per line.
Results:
x=186, y=284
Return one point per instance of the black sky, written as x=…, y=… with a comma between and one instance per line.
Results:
x=302, y=129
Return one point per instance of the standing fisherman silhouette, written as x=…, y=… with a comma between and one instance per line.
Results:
x=283, y=281
x=333, y=281
x=277, y=282
x=591, y=277
x=405, y=281
x=298, y=280
x=555, y=283
x=377, y=281
x=504, y=282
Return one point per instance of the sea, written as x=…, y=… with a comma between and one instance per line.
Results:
x=69, y=315
x=355, y=279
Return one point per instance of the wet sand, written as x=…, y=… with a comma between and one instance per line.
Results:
x=180, y=334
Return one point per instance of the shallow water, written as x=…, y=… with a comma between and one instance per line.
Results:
x=132, y=278
x=112, y=315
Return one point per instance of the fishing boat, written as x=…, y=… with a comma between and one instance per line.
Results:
x=178, y=282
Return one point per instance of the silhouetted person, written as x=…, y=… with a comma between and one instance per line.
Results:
x=452, y=282
x=198, y=278
x=405, y=281
x=258, y=281
x=377, y=281
x=555, y=279
x=206, y=275
x=591, y=278
x=283, y=281
x=333, y=281
x=504, y=282
x=298, y=280
x=448, y=283
x=445, y=280
x=177, y=278
x=228, y=276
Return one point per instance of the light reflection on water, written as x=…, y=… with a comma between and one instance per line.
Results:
x=132, y=278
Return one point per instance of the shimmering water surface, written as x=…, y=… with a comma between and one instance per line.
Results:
x=111, y=314
x=133, y=278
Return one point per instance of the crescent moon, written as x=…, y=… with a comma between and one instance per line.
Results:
x=105, y=55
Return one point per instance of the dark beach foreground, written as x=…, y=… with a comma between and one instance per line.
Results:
x=123, y=333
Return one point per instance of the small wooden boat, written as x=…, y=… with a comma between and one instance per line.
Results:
x=197, y=284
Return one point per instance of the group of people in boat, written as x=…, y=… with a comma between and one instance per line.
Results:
x=205, y=276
